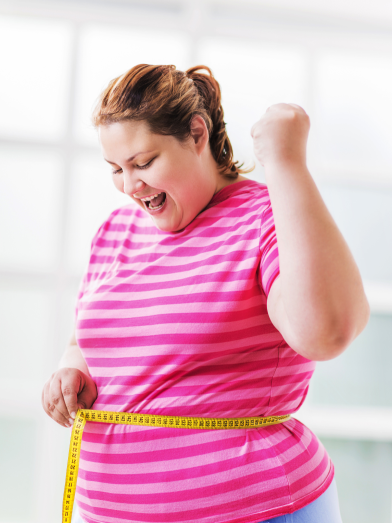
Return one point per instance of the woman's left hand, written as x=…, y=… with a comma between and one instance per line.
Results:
x=281, y=134
x=318, y=302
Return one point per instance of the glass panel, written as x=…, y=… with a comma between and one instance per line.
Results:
x=26, y=316
x=107, y=52
x=252, y=77
x=54, y=457
x=353, y=92
x=29, y=208
x=36, y=66
x=68, y=302
x=364, y=217
x=93, y=198
x=362, y=374
x=363, y=472
x=18, y=461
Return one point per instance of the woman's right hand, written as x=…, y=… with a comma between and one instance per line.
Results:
x=66, y=391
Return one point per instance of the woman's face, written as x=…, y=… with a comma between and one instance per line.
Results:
x=144, y=164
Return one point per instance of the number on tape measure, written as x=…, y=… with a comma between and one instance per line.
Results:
x=149, y=420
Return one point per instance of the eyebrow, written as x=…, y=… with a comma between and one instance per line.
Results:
x=129, y=159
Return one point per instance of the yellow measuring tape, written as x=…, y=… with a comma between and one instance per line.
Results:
x=148, y=420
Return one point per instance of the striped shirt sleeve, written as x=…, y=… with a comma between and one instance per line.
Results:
x=89, y=269
x=269, y=263
x=81, y=290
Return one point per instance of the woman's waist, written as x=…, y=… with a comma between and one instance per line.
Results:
x=146, y=454
x=217, y=407
x=262, y=401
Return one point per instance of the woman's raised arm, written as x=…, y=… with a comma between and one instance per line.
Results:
x=318, y=301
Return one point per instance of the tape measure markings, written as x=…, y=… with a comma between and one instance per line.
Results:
x=73, y=466
x=147, y=420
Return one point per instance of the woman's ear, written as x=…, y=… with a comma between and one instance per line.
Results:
x=199, y=133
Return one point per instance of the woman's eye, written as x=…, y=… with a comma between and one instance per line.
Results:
x=137, y=166
x=145, y=165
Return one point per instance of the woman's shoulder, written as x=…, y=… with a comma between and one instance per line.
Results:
x=246, y=201
x=244, y=189
x=240, y=185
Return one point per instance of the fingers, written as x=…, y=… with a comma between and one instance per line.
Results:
x=70, y=387
x=298, y=107
x=255, y=126
x=60, y=394
x=65, y=392
x=51, y=396
x=251, y=131
x=273, y=111
x=60, y=412
x=88, y=394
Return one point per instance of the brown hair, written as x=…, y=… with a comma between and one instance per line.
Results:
x=167, y=99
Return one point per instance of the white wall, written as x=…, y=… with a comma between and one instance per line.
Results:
x=334, y=59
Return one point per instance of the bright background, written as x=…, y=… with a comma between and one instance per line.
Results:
x=333, y=58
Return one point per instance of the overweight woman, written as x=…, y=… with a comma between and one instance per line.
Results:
x=210, y=295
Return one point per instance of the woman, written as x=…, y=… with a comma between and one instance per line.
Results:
x=187, y=308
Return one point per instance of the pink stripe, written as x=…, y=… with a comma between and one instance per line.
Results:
x=177, y=324
x=191, y=339
x=189, y=514
x=205, y=317
x=255, y=407
x=168, y=300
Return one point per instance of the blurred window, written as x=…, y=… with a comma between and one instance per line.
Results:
x=56, y=190
x=107, y=52
x=361, y=375
x=92, y=198
x=253, y=76
x=364, y=216
x=18, y=440
x=30, y=203
x=353, y=100
x=35, y=70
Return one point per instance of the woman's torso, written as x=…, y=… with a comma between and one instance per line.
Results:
x=177, y=324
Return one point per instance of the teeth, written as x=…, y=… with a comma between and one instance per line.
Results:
x=149, y=198
x=159, y=206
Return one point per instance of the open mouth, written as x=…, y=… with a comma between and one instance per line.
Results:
x=156, y=203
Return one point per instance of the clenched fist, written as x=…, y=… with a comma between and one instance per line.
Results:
x=281, y=134
x=65, y=392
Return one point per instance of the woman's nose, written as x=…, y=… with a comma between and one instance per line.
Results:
x=132, y=184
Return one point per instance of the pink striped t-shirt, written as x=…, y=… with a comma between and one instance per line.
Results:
x=176, y=323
